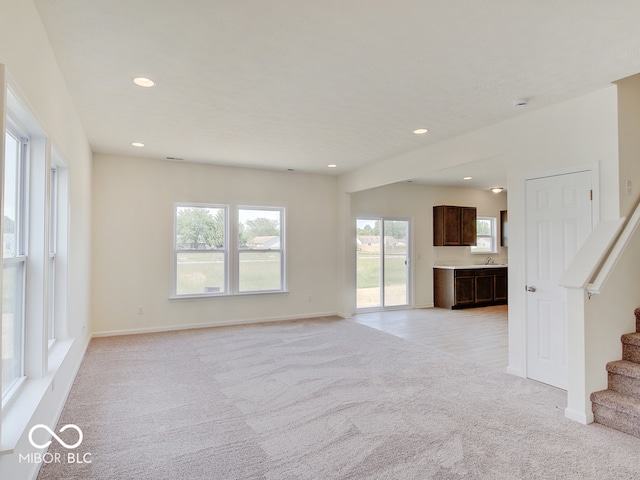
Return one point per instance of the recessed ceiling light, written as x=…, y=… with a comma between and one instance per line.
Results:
x=333, y=165
x=137, y=144
x=497, y=189
x=144, y=82
x=467, y=178
x=420, y=131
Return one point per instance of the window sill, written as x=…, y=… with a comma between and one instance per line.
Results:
x=227, y=295
x=25, y=401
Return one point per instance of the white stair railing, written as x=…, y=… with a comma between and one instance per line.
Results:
x=587, y=262
x=595, y=287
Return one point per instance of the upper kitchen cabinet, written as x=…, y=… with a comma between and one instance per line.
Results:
x=454, y=226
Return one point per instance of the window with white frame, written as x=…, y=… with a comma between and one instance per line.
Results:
x=260, y=249
x=207, y=264
x=14, y=258
x=486, y=234
x=34, y=260
x=201, y=253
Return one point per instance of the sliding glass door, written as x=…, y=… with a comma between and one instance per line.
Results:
x=382, y=263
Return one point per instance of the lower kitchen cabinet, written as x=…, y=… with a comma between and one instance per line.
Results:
x=500, y=286
x=469, y=287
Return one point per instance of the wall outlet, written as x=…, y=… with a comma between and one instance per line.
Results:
x=140, y=310
x=629, y=187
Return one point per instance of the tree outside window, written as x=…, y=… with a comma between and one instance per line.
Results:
x=201, y=254
x=486, y=235
x=202, y=251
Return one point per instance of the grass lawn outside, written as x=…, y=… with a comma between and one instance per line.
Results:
x=204, y=272
x=368, y=279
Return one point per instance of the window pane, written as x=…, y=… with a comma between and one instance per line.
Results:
x=53, y=227
x=486, y=235
x=200, y=228
x=12, y=332
x=260, y=271
x=368, y=263
x=484, y=244
x=11, y=222
x=200, y=273
x=483, y=227
x=259, y=229
x=53, y=210
x=260, y=243
x=52, y=297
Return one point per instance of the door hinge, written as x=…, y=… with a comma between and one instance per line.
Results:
x=590, y=194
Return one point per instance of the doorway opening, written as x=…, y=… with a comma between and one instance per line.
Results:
x=382, y=262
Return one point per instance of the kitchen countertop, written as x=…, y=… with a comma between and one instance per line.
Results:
x=462, y=267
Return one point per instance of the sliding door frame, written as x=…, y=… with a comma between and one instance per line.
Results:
x=408, y=272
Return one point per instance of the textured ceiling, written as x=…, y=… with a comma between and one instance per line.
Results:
x=301, y=84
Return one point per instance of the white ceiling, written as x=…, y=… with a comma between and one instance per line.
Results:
x=301, y=84
x=485, y=174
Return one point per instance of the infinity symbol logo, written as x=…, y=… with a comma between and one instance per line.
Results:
x=52, y=433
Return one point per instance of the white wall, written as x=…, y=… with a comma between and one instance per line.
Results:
x=133, y=243
x=629, y=141
x=416, y=201
x=609, y=314
x=582, y=132
x=33, y=73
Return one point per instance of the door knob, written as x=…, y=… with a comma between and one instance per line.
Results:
x=531, y=288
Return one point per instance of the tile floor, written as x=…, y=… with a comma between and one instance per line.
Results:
x=476, y=334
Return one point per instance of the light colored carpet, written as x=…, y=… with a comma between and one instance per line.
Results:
x=319, y=399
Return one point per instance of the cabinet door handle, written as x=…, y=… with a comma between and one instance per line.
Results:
x=531, y=288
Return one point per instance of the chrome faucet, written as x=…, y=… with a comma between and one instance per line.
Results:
x=489, y=261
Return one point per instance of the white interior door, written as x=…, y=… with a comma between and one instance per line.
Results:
x=558, y=221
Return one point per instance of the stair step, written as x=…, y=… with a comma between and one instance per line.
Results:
x=631, y=347
x=624, y=377
x=617, y=410
x=624, y=367
x=631, y=339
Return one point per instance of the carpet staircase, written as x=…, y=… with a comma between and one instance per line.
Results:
x=619, y=406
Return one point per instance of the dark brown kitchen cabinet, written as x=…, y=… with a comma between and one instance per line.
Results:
x=484, y=288
x=464, y=291
x=469, y=229
x=469, y=287
x=454, y=226
x=500, y=286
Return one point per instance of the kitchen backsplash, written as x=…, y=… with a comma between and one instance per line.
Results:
x=462, y=256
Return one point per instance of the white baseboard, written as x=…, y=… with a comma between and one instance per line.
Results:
x=227, y=323
x=426, y=305
x=580, y=417
x=515, y=371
